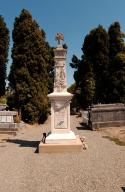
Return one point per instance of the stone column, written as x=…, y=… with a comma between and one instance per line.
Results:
x=60, y=101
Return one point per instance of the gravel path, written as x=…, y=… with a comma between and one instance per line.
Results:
x=100, y=168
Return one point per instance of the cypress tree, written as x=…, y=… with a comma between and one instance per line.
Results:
x=116, y=41
x=95, y=49
x=118, y=78
x=85, y=84
x=117, y=64
x=91, y=73
x=75, y=99
x=31, y=73
x=4, y=46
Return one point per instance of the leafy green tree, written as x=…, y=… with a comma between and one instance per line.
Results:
x=31, y=73
x=117, y=64
x=4, y=46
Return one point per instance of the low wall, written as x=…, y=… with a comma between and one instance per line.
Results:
x=7, y=122
x=107, y=115
x=2, y=107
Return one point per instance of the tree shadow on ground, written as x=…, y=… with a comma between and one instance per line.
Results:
x=123, y=188
x=83, y=126
x=24, y=143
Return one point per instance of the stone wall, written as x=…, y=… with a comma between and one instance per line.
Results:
x=7, y=122
x=107, y=115
x=2, y=107
x=7, y=116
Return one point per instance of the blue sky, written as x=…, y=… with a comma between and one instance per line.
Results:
x=73, y=18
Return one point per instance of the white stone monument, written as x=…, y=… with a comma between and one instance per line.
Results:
x=61, y=134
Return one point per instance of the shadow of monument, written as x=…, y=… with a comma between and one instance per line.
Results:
x=123, y=188
x=83, y=126
x=24, y=143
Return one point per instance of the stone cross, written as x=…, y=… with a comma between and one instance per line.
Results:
x=59, y=37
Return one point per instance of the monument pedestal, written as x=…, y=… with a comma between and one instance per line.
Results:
x=61, y=138
x=65, y=146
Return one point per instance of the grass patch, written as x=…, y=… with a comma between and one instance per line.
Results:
x=116, y=140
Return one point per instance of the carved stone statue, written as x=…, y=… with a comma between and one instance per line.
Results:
x=59, y=37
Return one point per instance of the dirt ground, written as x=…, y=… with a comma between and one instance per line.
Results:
x=4, y=137
x=111, y=132
x=100, y=168
x=115, y=132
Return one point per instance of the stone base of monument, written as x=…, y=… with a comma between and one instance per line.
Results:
x=61, y=145
x=60, y=137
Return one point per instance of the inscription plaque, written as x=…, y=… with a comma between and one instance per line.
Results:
x=61, y=119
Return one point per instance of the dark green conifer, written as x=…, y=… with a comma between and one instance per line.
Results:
x=31, y=74
x=91, y=73
x=117, y=64
x=4, y=46
x=95, y=49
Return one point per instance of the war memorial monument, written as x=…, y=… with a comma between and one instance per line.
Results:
x=61, y=138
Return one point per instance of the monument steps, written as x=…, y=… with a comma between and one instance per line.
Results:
x=61, y=147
